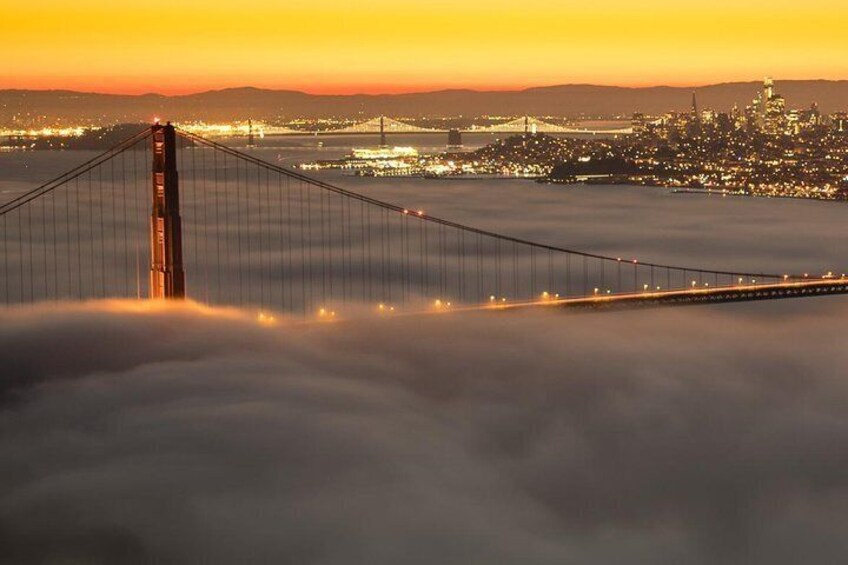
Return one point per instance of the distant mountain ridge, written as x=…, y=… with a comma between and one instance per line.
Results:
x=48, y=107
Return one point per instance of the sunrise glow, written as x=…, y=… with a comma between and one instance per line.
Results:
x=336, y=46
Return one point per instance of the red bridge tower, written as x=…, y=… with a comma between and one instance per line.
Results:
x=167, y=279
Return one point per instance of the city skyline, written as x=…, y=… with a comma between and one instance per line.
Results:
x=331, y=47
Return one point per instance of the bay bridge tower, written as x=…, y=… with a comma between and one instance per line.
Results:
x=383, y=142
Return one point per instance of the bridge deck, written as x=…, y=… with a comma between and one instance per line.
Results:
x=692, y=296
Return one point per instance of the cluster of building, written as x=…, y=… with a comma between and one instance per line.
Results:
x=767, y=114
x=382, y=161
x=524, y=156
x=764, y=150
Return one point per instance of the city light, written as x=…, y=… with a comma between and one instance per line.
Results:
x=765, y=149
x=265, y=319
x=438, y=304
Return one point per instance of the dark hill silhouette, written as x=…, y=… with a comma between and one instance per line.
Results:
x=573, y=101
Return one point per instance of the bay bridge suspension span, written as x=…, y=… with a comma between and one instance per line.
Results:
x=527, y=124
x=384, y=125
x=168, y=214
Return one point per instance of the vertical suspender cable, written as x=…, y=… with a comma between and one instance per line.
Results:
x=239, y=267
x=53, y=197
x=261, y=244
x=113, y=197
x=216, y=206
x=248, y=234
x=285, y=252
x=344, y=248
x=204, y=190
x=349, y=248
x=29, y=248
x=125, y=220
x=302, y=253
x=102, y=234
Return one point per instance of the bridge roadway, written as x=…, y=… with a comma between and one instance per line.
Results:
x=633, y=300
x=690, y=296
x=320, y=133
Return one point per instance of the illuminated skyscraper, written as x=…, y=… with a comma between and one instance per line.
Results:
x=768, y=88
x=839, y=122
x=769, y=109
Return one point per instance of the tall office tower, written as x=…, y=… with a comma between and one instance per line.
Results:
x=839, y=122
x=768, y=88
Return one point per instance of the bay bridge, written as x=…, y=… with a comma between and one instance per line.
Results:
x=383, y=125
x=525, y=124
x=168, y=214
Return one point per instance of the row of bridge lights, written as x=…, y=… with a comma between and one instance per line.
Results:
x=443, y=305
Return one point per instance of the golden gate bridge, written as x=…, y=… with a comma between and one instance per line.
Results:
x=168, y=214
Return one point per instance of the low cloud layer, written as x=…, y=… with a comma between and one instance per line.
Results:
x=696, y=435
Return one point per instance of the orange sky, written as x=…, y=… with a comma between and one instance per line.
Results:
x=381, y=46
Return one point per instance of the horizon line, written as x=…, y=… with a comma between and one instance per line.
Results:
x=402, y=92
